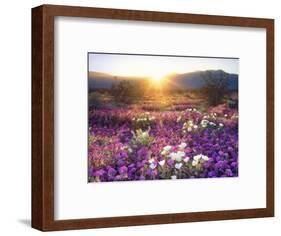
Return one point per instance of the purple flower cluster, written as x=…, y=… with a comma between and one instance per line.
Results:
x=132, y=144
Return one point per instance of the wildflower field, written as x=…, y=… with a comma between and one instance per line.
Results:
x=161, y=137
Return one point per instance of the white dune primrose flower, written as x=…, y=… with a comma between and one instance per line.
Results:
x=190, y=123
x=204, y=123
x=167, y=148
x=173, y=155
x=163, y=153
x=186, y=159
x=194, y=163
x=178, y=165
x=153, y=165
x=197, y=157
x=145, y=135
x=162, y=163
x=181, y=153
x=221, y=124
x=182, y=146
x=179, y=156
x=205, y=158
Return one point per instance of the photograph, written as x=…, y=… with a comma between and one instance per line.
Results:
x=153, y=117
x=147, y=117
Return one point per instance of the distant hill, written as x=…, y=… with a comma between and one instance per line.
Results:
x=98, y=80
x=192, y=80
x=196, y=80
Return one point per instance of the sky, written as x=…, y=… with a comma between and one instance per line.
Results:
x=157, y=66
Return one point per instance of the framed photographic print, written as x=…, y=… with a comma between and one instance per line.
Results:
x=143, y=117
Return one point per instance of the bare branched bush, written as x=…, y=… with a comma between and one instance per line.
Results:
x=128, y=92
x=215, y=88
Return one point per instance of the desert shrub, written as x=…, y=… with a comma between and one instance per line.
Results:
x=215, y=87
x=128, y=92
x=232, y=103
x=124, y=92
x=94, y=99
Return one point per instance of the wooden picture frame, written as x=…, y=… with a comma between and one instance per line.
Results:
x=43, y=117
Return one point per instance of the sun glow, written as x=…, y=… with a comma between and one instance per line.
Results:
x=157, y=78
x=157, y=82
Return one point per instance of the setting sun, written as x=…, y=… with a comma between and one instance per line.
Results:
x=157, y=81
x=157, y=78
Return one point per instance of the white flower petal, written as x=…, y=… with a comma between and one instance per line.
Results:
x=205, y=158
x=197, y=157
x=194, y=163
x=162, y=163
x=178, y=158
x=182, y=146
x=167, y=148
x=152, y=165
x=178, y=165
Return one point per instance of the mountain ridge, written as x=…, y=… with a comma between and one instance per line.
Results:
x=188, y=80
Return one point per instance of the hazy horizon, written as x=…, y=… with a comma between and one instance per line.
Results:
x=156, y=66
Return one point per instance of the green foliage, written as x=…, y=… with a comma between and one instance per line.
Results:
x=143, y=121
x=141, y=138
